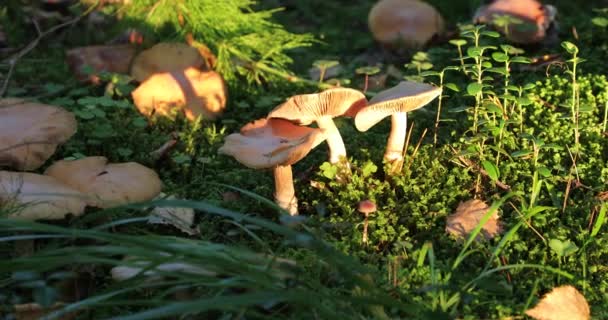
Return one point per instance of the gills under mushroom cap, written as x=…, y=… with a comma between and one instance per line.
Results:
x=266, y=143
x=30, y=196
x=30, y=132
x=107, y=184
x=305, y=109
x=406, y=96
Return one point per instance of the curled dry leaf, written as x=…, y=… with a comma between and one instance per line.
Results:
x=107, y=184
x=562, y=303
x=30, y=132
x=179, y=217
x=467, y=217
x=166, y=57
x=30, y=196
x=110, y=58
x=192, y=91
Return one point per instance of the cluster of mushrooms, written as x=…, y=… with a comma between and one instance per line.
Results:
x=283, y=137
x=30, y=132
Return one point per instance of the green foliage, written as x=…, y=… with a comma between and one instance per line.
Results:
x=247, y=42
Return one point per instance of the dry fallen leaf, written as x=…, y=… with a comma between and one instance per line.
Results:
x=107, y=184
x=192, y=91
x=110, y=58
x=467, y=217
x=562, y=303
x=30, y=196
x=31, y=131
x=165, y=57
x=179, y=217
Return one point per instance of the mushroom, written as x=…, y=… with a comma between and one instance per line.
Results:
x=274, y=144
x=198, y=92
x=412, y=23
x=30, y=196
x=30, y=132
x=396, y=102
x=165, y=57
x=107, y=184
x=522, y=21
x=110, y=58
x=366, y=207
x=322, y=108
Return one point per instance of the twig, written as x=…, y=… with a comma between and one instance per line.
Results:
x=164, y=149
x=12, y=61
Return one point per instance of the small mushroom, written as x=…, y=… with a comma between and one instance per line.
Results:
x=30, y=132
x=192, y=91
x=411, y=23
x=322, y=108
x=396, y=102
x=274, y=144
x=30, y=196
x=107, y=184
x=165, y=57
x=521, y=21
x=366, y=207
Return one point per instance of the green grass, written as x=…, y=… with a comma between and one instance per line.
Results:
x=554, y=222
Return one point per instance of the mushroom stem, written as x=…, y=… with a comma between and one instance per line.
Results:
x=365, y=223
x=334, y=139
x=396, y=139
x=284, y=192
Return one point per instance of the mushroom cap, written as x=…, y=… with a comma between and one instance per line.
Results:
x=410, y=22
x=266, y=143
x=107, y=184
x=31, y=131
x=110, y=58
x=404, y=97
x=198, y=92
x=34, y=196
x=367, y=206
x=165, y=57
x=306, y=108
x=535, y=17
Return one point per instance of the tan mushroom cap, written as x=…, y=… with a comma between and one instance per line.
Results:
x=34, y=197
x=107, y=184
x=535, y=18
x=192, y=91
x=409, y=22
x=305, y=109
x=165, y=57
x=266, y=143
x=404, y=97
x=30, y=132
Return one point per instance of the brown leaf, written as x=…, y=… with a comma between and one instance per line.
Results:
x=562, y=303
x=110, y=58
x=467, y=217
x=191, y=91
x=30, y=132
